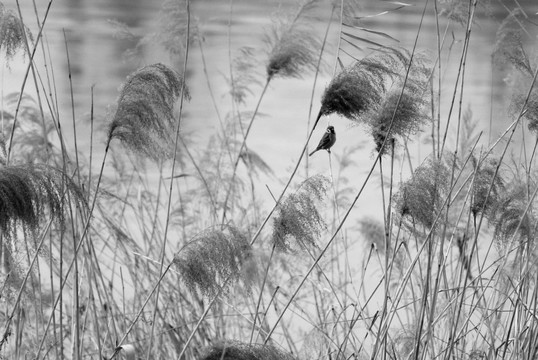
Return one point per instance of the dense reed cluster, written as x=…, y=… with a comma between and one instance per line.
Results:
x=434, y=258
x=375, y=91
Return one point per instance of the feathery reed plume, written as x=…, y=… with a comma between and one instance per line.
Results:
x=294, y=46
x=360, y=87
x=12, y=33
x=351, y=92
x=173, y=28
x=211, y=258
x=31, y=144
x=511, y=217
x=298, y=217
x=171, y=32
x=245, y=76
x=509, y=44
x=373, y=232
x=255, y=163
x=235, y=350
x=530, y=112
x=144, y=119
x=407, y=112
x=484, y=200
x=27, y=190
x=422, y=196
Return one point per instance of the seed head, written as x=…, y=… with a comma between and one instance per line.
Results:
x=144, y=119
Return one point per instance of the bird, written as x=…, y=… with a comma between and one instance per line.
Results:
x=327, y=141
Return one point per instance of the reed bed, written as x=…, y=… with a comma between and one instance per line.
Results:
x=168, y=248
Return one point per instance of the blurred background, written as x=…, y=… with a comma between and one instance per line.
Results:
x=102, y=39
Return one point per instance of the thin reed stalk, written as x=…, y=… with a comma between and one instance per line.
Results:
x=461, y=69
x=38, y=93
x=172, y=172
x=23, y=85
x=262, y=287
x=316, y=74
x=243, y=145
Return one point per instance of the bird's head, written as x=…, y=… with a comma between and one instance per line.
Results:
x=330, y=129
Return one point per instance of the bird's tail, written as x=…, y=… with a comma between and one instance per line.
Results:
x=313, y=152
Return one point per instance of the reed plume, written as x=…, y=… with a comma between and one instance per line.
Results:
x=244, y=75
x=12, y=33
x=235, y=350
x=255, y=163
x=26, y=191
x=512, y=217
x=509, y=47
x=173, y=28
x=360, y=87
x=483, y=199
x=373, y=232
x=404, y=111
x=170, y=33
x=31, y=141
x=528, y=106
x=421, y=197
x=144, y=119
x=351, y=92
x=294, y=46
x=214, y=256
x=298, y=218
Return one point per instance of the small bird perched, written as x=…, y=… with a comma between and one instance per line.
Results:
x=327, y=141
